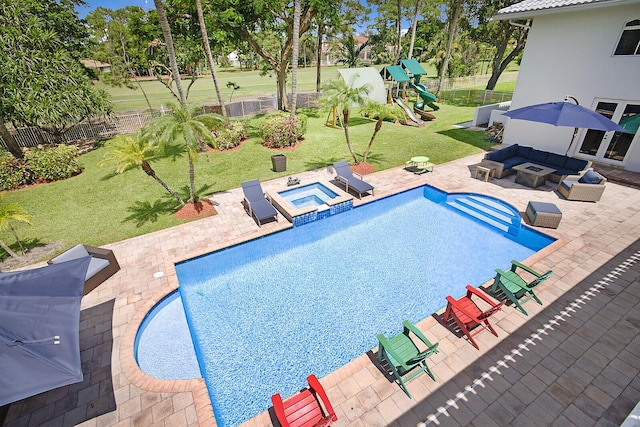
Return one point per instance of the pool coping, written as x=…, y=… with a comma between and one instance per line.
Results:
x=197, y=386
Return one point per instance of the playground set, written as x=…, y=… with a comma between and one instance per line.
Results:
x=389, y=86
x=408, y=73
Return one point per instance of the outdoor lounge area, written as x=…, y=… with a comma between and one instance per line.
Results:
x=573, y=360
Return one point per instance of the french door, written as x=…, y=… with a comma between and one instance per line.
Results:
x=612, y=147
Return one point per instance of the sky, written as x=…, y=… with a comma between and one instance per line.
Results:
x=113, y=4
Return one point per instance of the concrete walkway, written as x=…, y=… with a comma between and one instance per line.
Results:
x=572, y=361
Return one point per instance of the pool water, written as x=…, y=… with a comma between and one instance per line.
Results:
x=267, y=313
x=308, y=195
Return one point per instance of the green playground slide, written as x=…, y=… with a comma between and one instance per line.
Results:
x=427, y=98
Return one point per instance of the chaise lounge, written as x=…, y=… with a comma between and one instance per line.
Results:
x=255, y=203
x=103, y=264
x=345, y=176
x=503, y=161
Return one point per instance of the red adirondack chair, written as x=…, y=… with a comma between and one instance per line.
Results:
x=309, y=408
x=468, y=316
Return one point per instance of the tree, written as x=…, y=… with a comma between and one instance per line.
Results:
x=294, y=57
x=207, y=50
x=12, y=212
x=185, y=126
x=337, y=94
x=250, y=21
x=41, y=83
x=380, y=112
x=130, y=151
x=501, y=35
x=168, y=39
x=350, y=53
x=414, y=25
x=114, y=41
x=455, y=10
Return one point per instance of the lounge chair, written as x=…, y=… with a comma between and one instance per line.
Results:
x=304, y=409
x=468, y=316
x=587, y=187
x=256, y=204
x=515, y=287
x=404, y=356
x=345, y=176
x=102, y=266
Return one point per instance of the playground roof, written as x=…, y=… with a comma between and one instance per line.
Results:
x=396, y=72
x=413, y=66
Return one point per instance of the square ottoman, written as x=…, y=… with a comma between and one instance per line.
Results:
x=544, y=214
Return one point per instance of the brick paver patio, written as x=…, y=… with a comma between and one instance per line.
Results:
x=573, y=361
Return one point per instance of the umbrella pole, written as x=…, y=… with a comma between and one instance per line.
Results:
x=575, y=132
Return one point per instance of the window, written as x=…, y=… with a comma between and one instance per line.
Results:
x=629, y=43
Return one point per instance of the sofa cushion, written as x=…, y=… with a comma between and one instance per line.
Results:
x=564, y=171
x=538, y=156
x=524, y=152
x=96, y=266
x=514, y=161
x=75, y=252
x=512, y=150
x=567, y=183
x=575, y=165
x=556, y=160
x=590, y=178
x=493, y=155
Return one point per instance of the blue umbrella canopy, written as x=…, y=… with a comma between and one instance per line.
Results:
x=39, y=329
x=564, y=114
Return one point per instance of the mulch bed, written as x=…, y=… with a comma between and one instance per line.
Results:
x=196, y=210
x=362, y=168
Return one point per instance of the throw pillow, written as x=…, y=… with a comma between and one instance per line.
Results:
x=589, y=178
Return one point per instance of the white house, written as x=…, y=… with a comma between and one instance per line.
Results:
x=587, y=49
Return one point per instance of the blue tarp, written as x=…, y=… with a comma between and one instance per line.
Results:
x=39, y=329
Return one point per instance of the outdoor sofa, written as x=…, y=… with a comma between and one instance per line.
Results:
x=506, y=158
x=103, y=264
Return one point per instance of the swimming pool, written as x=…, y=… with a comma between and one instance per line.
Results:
x=315, y=194
x=267, y=313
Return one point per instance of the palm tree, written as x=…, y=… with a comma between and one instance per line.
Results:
x=12, y=212
x=294, y=56
x=338, y=95
x=185, y=126
x=350, y=53
x=168, y=39
x=381, y=112
x=130, y=151
x=207, y=50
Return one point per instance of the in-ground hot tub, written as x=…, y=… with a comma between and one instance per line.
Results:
x=311, y=202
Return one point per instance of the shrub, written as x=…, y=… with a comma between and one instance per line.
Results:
x=13, y=172
x=280, y=130
x=53, y=163
x=230, y=138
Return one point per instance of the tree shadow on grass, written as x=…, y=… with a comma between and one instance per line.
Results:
x=144, y=212
x=373, y=158
x=477, y=139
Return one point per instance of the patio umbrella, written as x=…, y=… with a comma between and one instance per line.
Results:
x=39, y=329
x=565, y=114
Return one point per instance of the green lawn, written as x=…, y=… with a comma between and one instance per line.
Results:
x=98, y=207
x=251, y=84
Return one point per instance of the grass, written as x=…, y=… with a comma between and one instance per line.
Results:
x=98, y=206
x=251, y=83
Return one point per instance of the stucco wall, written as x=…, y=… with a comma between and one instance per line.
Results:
x=572, y=54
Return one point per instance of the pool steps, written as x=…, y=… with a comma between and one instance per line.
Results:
x=488, y=210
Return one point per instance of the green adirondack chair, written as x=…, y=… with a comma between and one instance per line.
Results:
x=405, y=360
x=515, y=287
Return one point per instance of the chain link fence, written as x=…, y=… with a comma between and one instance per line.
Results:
x=96, y=129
